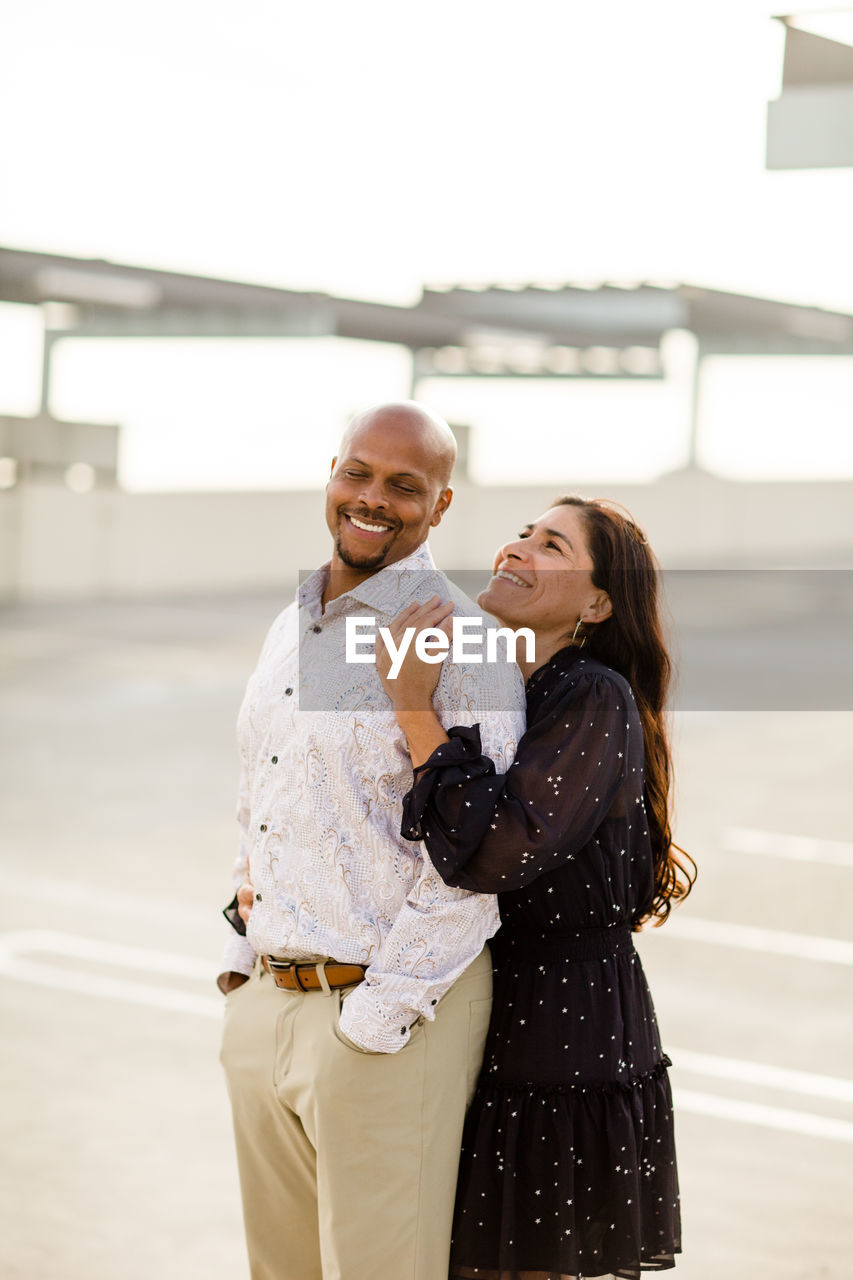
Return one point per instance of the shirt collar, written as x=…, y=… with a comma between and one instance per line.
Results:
x=386, y=591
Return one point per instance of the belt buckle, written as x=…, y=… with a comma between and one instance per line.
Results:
x=285, y=966
x=292, y=967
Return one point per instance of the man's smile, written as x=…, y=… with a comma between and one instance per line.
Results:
x=367, y=528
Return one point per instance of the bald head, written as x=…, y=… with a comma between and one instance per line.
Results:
x=411, y=423
x=388, y=487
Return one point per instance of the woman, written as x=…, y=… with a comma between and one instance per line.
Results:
x=568, y=1161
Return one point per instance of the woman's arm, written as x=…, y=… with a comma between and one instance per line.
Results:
x=411, y=688
x=424, y=733
x=490, y=833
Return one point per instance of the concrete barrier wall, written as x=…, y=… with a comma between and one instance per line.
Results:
x=107, y=543
x=692, y=519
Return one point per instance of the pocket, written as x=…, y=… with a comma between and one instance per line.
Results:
x=341, y=1036
x=479, y=1015
x=235, y=1023
x=229, y=995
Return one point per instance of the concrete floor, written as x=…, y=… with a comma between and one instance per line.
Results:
x=119, y=773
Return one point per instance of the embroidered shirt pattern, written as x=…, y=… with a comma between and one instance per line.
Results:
x=320, y=805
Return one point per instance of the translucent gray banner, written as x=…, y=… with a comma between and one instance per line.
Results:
x=740, y=639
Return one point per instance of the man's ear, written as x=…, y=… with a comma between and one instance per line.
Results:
x=599, y=609
x=444, y=501
x=332, y=467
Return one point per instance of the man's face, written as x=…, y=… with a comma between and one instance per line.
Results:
x=386, y=491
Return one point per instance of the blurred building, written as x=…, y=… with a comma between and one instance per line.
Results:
x=810, y=124
x=68, y=530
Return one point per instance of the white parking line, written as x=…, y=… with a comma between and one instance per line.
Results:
x=689, y=927
x=54, y=943
x=747, y=937
x=93, y=984
x=756, y=1113
x=108, y=902
x=773, y=844
x=761, y=1073
x=26, y=956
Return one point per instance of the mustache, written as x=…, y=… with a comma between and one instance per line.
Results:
x=369, y=517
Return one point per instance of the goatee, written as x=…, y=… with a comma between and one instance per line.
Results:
x=371, y=561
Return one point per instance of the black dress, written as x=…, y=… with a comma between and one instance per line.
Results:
x=568, y=1160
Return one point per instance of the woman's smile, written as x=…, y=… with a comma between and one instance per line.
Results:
x=507, y=575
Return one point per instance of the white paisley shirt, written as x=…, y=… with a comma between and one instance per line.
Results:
x=320, y=807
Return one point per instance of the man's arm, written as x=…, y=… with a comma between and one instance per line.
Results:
x=434, y=939
x=238, y=956
x=440, y=930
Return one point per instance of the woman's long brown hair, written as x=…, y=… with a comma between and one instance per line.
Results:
x=631, y=642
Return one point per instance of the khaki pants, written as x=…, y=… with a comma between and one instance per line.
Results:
x=348, y=1160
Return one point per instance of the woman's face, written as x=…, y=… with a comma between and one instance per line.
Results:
x=543, y=579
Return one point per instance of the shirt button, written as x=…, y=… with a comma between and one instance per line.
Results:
x=316, y=630
x=274, y=759
x=258, y=897
x=263, y=826
x=288, y=691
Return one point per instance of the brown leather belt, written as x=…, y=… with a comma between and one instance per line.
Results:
x=293, y=976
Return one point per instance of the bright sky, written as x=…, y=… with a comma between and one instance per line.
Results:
x=369, y=148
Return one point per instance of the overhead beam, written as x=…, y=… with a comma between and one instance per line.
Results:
x=92, y=298
x=314, y=320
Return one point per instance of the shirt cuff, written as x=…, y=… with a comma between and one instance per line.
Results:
x=370, y=1026
x=238, y=956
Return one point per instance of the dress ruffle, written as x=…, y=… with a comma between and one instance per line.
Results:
x=607, y=1086
x=568, y=1167
x=532, y=1206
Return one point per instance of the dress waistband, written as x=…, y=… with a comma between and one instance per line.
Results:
x=520, y=945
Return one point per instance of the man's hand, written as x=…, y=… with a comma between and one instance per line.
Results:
x=228, y=981
x=245, y=899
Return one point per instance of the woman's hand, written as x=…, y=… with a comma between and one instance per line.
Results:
x=411, y=689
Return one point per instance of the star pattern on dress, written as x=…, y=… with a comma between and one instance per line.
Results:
x=549, y=1100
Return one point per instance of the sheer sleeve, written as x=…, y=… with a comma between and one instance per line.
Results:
x=489, y=833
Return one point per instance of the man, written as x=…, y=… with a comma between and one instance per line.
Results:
x=350, y=1074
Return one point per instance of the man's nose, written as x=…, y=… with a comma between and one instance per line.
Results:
x=372, y=494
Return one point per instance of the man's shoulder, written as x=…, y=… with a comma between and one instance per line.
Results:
x=484, y=682
x=498, y=684
x=464, y=606
x=287, y=616
x=283, y=625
